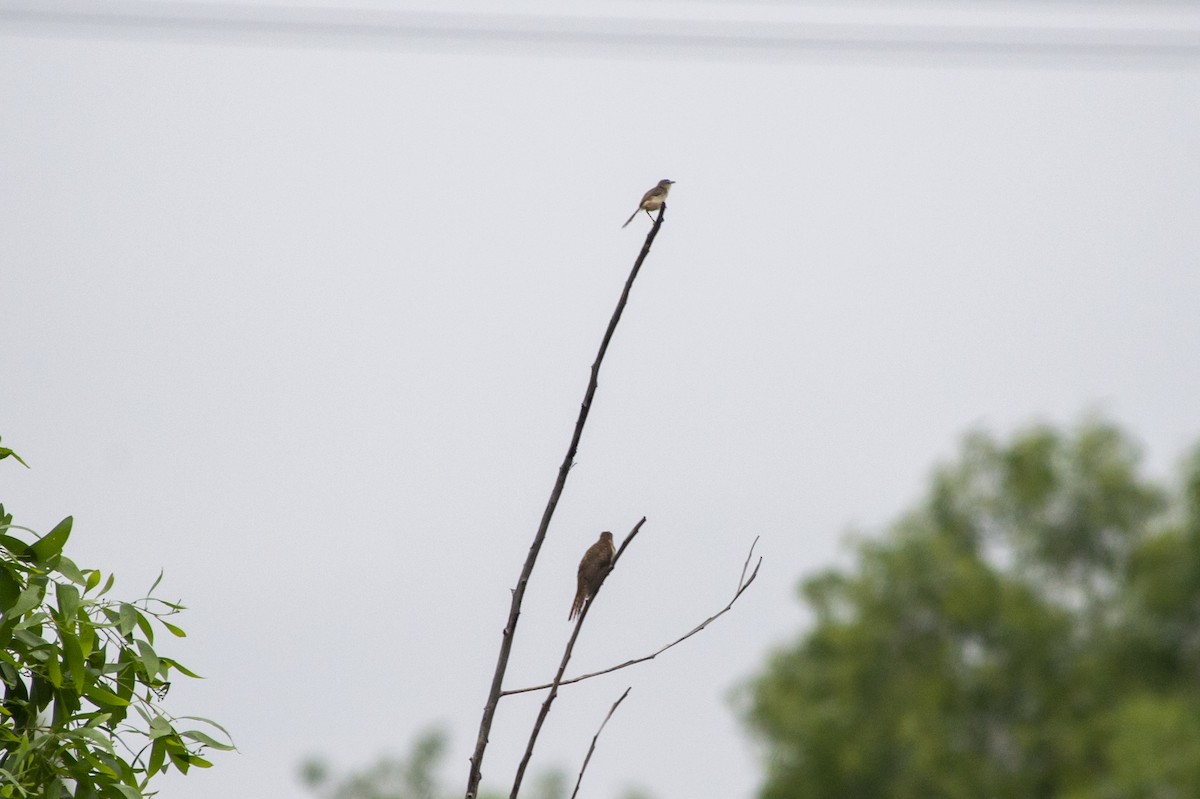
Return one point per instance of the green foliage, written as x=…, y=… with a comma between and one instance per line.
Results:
x=415, y=777
x=1032, y=629
x=82, y=680
x=5, y=452
x=387, y=778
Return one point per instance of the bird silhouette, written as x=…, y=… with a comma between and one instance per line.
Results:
x=592, y=570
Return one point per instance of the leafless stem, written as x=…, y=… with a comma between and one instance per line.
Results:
x=562, y=666
x=743, y=584
x=518, y=594
x=595, y=738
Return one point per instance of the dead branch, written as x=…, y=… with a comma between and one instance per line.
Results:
x=518, y=593
x=595, y=738
x=562, y=666
x=743, y=584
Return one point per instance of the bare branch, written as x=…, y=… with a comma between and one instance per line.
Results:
x=518, y=593
x=637, y=528
x=595, y=738
x=562, y=666
x=742, y=578
x=743, y=584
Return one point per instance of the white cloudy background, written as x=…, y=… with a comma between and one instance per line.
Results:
x=305, y=322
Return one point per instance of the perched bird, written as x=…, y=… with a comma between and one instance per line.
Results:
x=592, y=569
x=652, y=200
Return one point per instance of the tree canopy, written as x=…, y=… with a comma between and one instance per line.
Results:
x=1031, y=629
x=414, y=776
x=83, y=681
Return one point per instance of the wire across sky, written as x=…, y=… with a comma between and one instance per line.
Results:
x=696, y=37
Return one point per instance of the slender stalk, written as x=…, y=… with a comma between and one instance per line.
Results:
x=518, y=594
x=595, y=738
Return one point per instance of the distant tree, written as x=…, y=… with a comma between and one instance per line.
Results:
x=73, y=665
x=1031, y=630
x=415, y=777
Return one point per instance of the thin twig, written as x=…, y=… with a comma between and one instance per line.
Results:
x=595, y=738
x=562, y=666
x=742, y=578
x=743, y=584
x=518, y=593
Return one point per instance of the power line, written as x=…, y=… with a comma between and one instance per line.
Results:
x=511, y=32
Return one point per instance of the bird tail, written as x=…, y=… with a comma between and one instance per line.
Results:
x=630, y=219
x=581, y=594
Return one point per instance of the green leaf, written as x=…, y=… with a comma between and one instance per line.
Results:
x=209, y=722
x=127, y=618
x=98, y=720
x=174, y=664
x=144, y=625
x=87, y=633
x=54, y=671
x=175, y=631
x=179, y=759
x=34, y=644
x=10, y=587
x=96, y=736
x=104, y=698
x=67, y=568
x=158, y=756
x=68, y=600
x=66, y=707
x=130, y=793
x=156, y=582
x=74, y=656
x=11, y=778
x=16, y=546
x=40, y=692
x=207, y=740
x=29, y=599
x=93, y=579
x=149, y=659
x=52, y=543
x=108, y=584
x=5, y=452
x=159, y=726
x=126, y=677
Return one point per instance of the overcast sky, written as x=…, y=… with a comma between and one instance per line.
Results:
x=306, y=323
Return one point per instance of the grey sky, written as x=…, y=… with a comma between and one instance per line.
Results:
x=308, y=326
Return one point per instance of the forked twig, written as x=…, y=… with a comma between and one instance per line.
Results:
x=743, y=584
x=562, y=666
x=518, y=593
x=595, y=738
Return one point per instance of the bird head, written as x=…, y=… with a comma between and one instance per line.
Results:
x=664, y=182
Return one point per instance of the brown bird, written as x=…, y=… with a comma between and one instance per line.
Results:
x=592, y=570
x=652, y=200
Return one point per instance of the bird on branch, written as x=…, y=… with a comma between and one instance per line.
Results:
x=652, y=200
x=592, y=570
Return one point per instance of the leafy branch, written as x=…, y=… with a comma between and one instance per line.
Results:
x=73, y=662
